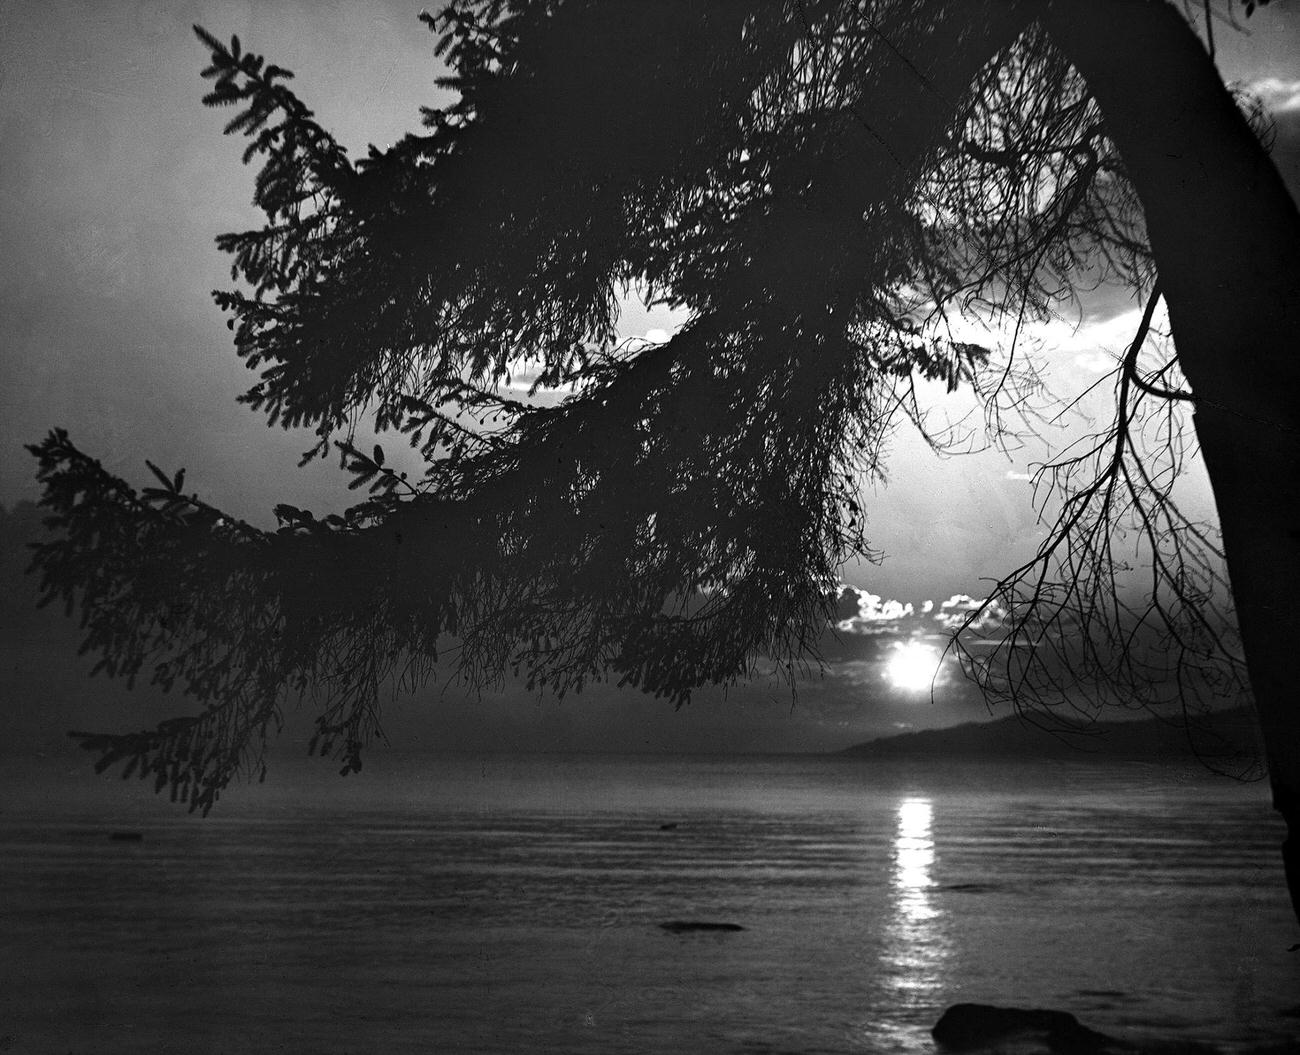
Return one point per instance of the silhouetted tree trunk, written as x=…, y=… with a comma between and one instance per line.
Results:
x=1226, y=238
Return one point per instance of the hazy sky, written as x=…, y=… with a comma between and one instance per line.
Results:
x=114, y=180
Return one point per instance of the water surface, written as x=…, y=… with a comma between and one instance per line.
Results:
x=514, y=904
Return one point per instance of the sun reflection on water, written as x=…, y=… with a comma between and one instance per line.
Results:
x=913, y=860
x=916, y=949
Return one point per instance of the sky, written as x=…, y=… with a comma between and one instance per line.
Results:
x=114, y=181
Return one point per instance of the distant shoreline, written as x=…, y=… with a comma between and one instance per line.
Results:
x=1229, y=737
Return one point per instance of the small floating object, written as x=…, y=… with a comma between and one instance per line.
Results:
x=671, y=826
x=689, y=926
x=126, y=837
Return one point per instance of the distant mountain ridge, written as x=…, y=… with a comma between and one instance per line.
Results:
x=1229, y=736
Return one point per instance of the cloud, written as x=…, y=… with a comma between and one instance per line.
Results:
x=1096, y=362
x=862, y=612
x=1279, y=96
x=958, y=608
x=1106, y=302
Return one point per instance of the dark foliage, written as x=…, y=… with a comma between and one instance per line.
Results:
x=818, y=185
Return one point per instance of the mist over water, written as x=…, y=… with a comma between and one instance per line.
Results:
x=514, y=903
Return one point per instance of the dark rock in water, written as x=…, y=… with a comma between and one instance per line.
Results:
x=687, y=926
x=968, y=1026
x=127, y=837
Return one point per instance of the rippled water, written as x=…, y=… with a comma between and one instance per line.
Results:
x=513, y=904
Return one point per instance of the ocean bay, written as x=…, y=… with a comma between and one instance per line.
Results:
x=503, y=903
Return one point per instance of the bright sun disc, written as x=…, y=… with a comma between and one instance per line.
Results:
x=912, y=667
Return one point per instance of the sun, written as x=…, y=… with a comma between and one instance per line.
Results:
x=912, y=667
